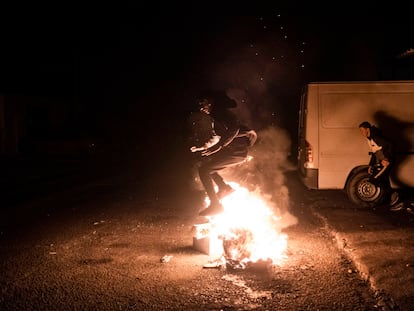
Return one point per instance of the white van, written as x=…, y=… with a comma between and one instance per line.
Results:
x=332, y=154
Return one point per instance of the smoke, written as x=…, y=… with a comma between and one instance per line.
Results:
x=253, y=111
x=261, y=69
x=263, y=172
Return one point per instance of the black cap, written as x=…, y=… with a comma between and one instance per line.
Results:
x=365, y=124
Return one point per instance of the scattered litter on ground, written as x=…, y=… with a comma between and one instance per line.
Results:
x=166, y=258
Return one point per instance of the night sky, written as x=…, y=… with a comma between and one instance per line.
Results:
x=132, y=67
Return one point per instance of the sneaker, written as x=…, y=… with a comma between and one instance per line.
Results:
x=410, y=210
x=394, y=198
x=397, y=207
x=212, y=210
x=227, y=190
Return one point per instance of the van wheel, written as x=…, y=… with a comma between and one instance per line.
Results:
x=363, y=192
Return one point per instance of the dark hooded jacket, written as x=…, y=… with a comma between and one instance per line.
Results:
x=376, y=139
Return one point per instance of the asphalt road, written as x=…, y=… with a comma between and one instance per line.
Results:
x=378, y=241
x=99, y=245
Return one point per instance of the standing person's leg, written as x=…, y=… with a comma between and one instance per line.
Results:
x=392, y=195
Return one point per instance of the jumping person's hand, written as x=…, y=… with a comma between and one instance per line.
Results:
x=210, y=151
x=195, y=149
x=252, y=135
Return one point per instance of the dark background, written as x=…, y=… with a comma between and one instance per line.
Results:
x=126, y=74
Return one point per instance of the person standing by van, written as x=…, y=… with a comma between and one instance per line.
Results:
x=382, y=159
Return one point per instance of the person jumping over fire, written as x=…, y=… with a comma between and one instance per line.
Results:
x=226, y=145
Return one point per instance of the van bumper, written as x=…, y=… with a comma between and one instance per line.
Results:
x=309, y=177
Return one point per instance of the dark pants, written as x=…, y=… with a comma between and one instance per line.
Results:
x=383, y=180
x=211, y=166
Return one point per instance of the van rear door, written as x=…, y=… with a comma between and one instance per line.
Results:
x=306, y=169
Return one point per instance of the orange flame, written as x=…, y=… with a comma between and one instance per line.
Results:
x=248, y=228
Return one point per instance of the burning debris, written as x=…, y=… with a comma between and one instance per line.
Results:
x=246, y=232
x=237, y=247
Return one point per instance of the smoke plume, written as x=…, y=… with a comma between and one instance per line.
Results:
x=263, y=172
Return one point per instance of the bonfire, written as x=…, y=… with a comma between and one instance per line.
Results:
x=247, y=232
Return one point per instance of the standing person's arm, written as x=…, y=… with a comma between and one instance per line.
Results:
x=372, y=161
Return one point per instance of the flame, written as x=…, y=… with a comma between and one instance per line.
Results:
x=247, y=230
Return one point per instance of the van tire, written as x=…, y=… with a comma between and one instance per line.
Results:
x=362, y=191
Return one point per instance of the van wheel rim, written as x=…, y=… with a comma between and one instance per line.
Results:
x=368, y=191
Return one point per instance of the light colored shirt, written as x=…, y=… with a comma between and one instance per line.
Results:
x=373, y=146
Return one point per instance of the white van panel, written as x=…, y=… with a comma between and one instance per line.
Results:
x=330, y=126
